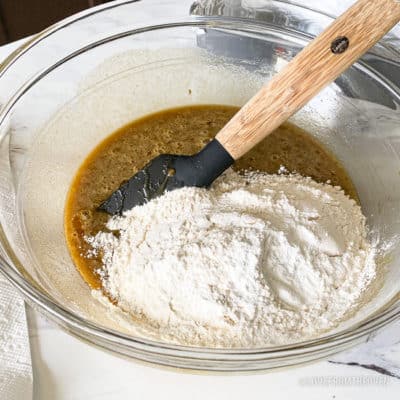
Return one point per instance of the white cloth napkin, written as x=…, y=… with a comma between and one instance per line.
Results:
x=15, y=358
x=16, y=381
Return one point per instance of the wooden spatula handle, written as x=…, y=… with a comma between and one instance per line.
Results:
x=318, y=64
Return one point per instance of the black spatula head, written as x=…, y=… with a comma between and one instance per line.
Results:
x=168, y=172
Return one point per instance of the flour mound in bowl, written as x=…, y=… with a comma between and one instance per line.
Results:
x=255, y=260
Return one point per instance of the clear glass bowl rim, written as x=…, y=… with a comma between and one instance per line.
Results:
x=97, y=335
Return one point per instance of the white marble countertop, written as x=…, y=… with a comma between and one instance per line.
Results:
x=66, y=368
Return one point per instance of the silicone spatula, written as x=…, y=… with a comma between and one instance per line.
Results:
x=317, y=65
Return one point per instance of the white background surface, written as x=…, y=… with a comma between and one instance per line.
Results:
x=65, y=368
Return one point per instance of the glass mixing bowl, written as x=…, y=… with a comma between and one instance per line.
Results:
x=72, y=85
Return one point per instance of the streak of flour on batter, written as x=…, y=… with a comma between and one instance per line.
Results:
x=255, y=260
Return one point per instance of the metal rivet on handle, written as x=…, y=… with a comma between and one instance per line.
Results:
x=339, y=45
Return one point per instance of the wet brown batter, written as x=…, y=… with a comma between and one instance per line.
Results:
x=181, y=131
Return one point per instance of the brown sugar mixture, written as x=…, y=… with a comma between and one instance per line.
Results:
x=182, y=130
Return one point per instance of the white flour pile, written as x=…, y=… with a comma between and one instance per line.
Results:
x=256, y=260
